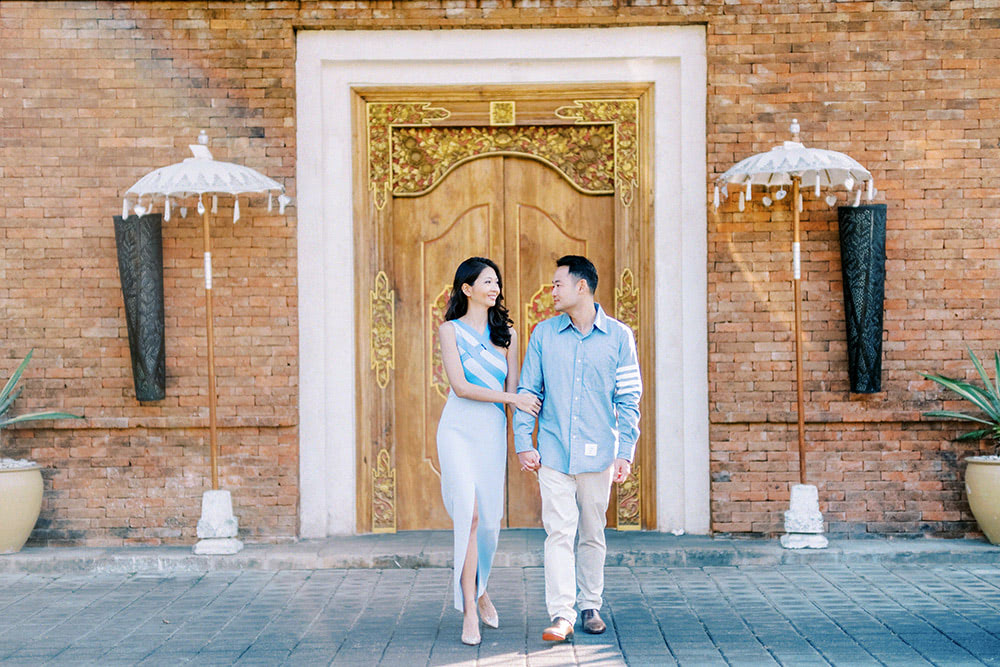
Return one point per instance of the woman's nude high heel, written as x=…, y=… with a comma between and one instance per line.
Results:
x=472, y=638
x=488, y=613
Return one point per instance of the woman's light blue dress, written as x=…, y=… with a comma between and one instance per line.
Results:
x=472, y=450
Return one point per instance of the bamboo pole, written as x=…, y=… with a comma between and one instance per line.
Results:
x=209, y=328
x=796, y=279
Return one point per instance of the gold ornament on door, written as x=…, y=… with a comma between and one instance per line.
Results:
x=624, y=116
x=382, y=117
x=383, y=495
x=382, y=312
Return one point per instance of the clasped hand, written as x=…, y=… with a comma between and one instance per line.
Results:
x=529, y=403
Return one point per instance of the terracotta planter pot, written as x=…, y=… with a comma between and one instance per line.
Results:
x=20, y=503
x=982, y=486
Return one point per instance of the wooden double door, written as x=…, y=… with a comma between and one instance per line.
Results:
x=523, y=215
x=522, y=175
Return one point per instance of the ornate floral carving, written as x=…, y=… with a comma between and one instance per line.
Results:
x=439, y=380
x=502, y=113
x=382, y=312
x=629, y=507
x=539, y=307
x=382, y=117
x=383, y=494
x=423, y=156
x=624, y=115
x=627, y=302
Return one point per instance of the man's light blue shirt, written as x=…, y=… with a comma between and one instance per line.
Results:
x=590, y=389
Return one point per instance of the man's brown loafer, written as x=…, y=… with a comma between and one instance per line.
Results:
x=559, y=631
x=592, y=623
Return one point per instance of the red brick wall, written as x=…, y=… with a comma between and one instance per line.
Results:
x=94, y=96
x=97, y=94
x=909, y=89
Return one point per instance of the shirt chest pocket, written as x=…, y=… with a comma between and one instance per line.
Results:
x=599, y=375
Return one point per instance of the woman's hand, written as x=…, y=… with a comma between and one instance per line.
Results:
x=527, y=403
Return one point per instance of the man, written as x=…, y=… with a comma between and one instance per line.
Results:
x=583, y=366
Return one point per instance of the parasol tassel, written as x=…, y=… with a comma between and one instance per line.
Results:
x=215, y=203
x=124, y=208
x=184, y=211
x=849, y=182
x=166, y=209
x=201, y=206
x=742, y=202
x=871, y=189
x=748, y=191
x=715, y=198
x=816, y=191
x=283, y=201
x=269, y=195
x=857, y=197
x=236, y=209
x=725, y=191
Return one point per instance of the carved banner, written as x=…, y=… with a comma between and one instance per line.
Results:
x=423, y=156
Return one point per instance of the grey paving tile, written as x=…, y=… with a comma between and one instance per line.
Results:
x=790, y=614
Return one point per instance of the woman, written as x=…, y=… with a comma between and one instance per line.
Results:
x=479, y=351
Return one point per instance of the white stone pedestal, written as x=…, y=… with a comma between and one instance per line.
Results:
x=803, y=522
x=218, y=527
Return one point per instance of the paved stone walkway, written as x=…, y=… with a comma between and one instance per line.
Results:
x=867, y=613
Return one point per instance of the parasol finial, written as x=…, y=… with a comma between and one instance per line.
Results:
x=202, y=138
x=794, y=129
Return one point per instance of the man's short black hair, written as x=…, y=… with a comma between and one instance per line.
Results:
x=581, y=268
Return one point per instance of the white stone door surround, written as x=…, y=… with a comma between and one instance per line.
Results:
x=330, y=63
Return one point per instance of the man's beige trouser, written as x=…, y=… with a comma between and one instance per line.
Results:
x=570, y=502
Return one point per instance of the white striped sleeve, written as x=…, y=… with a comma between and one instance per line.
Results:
x=628, y=391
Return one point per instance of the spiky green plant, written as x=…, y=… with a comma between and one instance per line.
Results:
x=986, y=398
x=8, y=395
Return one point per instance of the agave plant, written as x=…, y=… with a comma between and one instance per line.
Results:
x=986, y=398
x=8, y=395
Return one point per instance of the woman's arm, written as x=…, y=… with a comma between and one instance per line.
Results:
x=513, y=366
x=465, y=389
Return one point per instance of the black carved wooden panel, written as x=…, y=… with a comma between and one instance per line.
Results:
x=862, y=258
x=140, y=267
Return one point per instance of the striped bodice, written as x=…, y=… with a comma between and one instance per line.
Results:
x=484, y=365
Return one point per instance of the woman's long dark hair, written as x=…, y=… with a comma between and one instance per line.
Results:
x=497, y=316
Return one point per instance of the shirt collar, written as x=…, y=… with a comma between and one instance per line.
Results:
x=600, y=320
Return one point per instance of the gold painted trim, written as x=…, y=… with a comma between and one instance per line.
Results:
x=382, y=314
x=624, y=115
x=381, y=117
x=383, y=494
x=629, y=491
x=629, y=502
x=540, y=307
x=502, y=113
x=627, y=302
x=438, y=379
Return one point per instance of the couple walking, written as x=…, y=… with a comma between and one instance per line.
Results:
x=581, y=382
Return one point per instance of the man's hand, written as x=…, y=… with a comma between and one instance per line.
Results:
x=622, y=470
x=530, y=460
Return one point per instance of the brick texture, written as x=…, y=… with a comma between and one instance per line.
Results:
x=95, y=94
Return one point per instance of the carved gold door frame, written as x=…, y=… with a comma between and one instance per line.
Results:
x=410, y=147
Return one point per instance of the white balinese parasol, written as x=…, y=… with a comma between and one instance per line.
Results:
x=196, y=177
x=793, y=164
